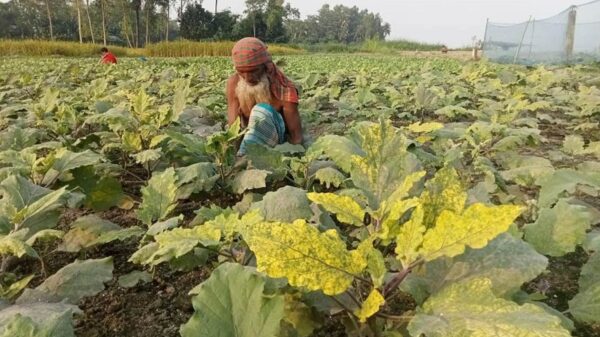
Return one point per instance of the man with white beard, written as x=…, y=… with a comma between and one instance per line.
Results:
x=263, y=98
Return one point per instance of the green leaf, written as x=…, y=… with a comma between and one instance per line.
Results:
x=286, y=205
x=263, y=158
x=159, y=197
x=585, y=306
x=232, y=303
x=44, y=319
x=507, y=261
x=305, y=256
x=563, y=180
x=590, y=273
x=106, y=193
x=338, y=148
x=66, y=160
x=558, y=230
x=134, y=278
x=75, y=281
x=470, y=309
x=196, y=178
x=525, y=170
x=248, y=180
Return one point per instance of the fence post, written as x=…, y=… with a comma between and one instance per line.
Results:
x=521, y=43
x=570, y=42
x=487, y=22
x=532, y=38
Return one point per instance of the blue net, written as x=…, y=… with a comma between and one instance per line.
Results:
x=572, y=35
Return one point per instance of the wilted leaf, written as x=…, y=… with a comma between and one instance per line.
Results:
x=370, y=306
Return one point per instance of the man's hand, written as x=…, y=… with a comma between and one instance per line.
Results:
x=291, y=117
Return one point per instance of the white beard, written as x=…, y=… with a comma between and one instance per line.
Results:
x=250, y=95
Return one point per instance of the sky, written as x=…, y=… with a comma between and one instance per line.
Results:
x=452, y=22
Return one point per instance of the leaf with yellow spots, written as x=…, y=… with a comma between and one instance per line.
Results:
x=375, y=260
x=344, y=207
x=410, y=238
x=304, y=255
x=443, y=192
x=471, y=309
x=477, y=225
x=425, y=127
x=370, y=306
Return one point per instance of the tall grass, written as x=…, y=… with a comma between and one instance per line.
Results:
x=185, y=48
x=61, y=48
x=179, y=48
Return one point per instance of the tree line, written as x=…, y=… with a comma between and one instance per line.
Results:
x=135, y=23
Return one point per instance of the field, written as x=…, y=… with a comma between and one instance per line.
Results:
x=433, y=197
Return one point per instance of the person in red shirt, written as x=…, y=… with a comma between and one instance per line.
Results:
x=107, y=57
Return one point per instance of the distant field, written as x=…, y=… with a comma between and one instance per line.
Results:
x=184, y=48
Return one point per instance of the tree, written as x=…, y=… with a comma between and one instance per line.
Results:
x=195, y=23
x=87, y=10
x=49, y=19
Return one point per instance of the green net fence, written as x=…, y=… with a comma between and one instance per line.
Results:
x=570, y=36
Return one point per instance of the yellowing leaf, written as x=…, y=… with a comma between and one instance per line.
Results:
x=470, y=309
x=444, y=192
x=410, y=238
x=344, y=207
x=370, y=306
x=305, y=256
x=474, y=228
x=425, y=127
x=375, y=260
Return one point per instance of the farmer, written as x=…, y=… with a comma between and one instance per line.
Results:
x=107, y=57
x=263, y=98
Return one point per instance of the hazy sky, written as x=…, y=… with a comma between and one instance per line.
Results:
x=452, y=22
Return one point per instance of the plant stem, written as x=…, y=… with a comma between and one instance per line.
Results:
x=393, y=284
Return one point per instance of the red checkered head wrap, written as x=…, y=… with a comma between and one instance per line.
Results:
x=252, y=52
